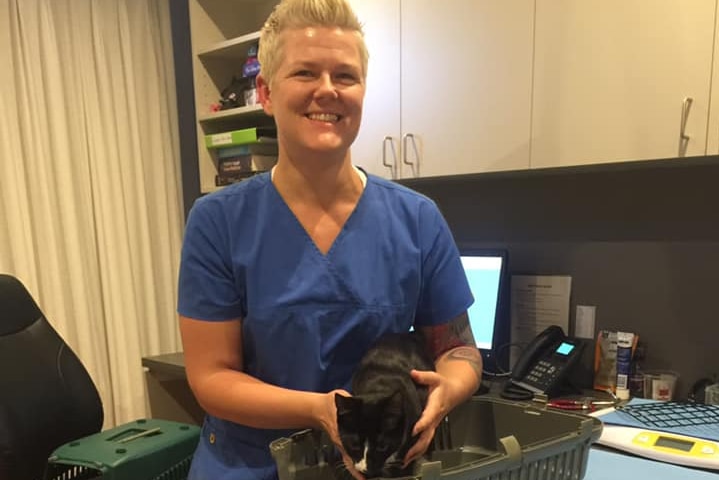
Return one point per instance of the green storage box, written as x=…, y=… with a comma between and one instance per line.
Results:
x=141, y=450
x=244, y=136
x=482, y=439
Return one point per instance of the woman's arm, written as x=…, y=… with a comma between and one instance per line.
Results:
x=459, y=372
x=213, y=361
x=456, y=355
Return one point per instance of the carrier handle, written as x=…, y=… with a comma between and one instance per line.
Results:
x=431, y=470
x=281, y=450
x=511, y=447
x=123, y=437
x=144, y=433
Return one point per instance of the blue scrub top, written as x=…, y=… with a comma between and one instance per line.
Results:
x=307, y=318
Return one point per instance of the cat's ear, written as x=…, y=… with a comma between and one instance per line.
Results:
x=393, y=412
x=345, y=404
x=395, y=403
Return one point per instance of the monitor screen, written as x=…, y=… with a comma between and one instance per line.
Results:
x=486, y=274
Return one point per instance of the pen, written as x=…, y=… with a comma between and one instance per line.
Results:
x=586, y=404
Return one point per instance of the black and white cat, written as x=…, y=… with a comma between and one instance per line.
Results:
x=375, y=424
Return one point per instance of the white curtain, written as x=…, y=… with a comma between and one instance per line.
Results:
x=90, y=199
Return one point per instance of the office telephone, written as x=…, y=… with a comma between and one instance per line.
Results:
x=544, y=365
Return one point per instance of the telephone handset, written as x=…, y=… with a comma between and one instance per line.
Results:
x=544, y=364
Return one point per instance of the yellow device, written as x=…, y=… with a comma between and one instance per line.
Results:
x=662, y=446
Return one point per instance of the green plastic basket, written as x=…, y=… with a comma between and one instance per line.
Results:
x=141, y=450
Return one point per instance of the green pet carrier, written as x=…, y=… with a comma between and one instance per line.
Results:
x=140, y=450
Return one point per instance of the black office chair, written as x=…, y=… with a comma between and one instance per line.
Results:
x=47, y=398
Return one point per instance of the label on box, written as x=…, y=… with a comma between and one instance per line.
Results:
x=221, y=139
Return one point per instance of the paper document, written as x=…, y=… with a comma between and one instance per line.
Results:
x=537, y=301
x=584, y=321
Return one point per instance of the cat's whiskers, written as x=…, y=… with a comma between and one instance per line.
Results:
x=393, y=461
x=343, y=471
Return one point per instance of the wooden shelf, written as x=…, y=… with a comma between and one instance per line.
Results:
x=249, y=111
x=232, y=48
x=222, y=32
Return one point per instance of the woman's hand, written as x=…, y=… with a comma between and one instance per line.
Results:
x=327, y=415
x=328, y=421
x=438, y=406
x=458, y=375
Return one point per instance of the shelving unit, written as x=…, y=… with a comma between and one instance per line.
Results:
x=245, y=112
x=229, y=48
x=221, y=33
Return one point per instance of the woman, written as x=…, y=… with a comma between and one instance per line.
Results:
x=287, y=278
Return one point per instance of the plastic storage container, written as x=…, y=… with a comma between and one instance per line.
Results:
x=483, y=439
x=141, y=450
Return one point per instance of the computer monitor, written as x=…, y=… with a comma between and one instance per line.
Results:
x=486, y=271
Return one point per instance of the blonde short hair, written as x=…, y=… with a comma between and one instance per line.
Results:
x=290, y=14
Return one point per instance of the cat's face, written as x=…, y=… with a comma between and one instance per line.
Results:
x=374, y=432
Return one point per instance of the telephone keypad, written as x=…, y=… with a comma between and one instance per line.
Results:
x=543, y=374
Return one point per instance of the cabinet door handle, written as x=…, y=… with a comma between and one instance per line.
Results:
x=405, y=156
x=683, y=137
x=392, y=166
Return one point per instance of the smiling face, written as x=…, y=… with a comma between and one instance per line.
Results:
x=317, y=91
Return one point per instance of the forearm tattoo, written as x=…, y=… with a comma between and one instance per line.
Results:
x=469, y=355
x=456, y=336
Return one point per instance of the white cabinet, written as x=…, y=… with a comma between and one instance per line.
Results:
x=221, y=33
x=449, y=86
x=376, y=148
x=713, y=129
x=613, y=79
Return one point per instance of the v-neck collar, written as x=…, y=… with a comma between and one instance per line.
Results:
x=364, y=178
x=362, y=175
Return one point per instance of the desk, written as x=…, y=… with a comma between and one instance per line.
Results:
x=171, y=399
x=607, y=465
x=168, y=392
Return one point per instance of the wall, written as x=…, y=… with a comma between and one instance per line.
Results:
x=182, y=56
x=640, y=240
